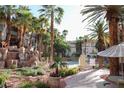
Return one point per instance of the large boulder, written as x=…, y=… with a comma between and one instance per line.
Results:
x=2, y=64
x=3, y=53
x=13, y=48
x=12, y=64
x=12, y=55
x=33, y=61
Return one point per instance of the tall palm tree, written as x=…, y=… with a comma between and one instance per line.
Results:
x=99, y=33
x=6, y=14
x=79, y=45
x=53, y=13
x=112, y=13
x=39, y=26
x=23, y=21
x=65, y=32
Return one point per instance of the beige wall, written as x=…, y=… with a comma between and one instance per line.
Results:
x=90, y=47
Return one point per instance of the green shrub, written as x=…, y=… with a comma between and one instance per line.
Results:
x=30, y=72
x=3, y=78
x=68, y=72
x=41, y=85
x=21, y=69
x=33, y=85
x=13, y=66
x=26, y=85
x=62, y=73
x=36, y=67
x=40, y=72
x=71, y=71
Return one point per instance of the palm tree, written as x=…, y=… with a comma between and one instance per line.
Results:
x=112, y=13
x=6, y=14
x=53, y=13
x=58, y=64
x=65, y=32
x=23, y=21
x=39, y=26
x=98, y=33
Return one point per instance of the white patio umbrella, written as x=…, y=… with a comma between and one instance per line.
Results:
x=114, y=51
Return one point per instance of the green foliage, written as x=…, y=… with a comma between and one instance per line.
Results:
x=33, y=85
x=67, y=72
x=3, y=78
x=60, y=45
x=47, y=11
x=13, y=66
x=31, y=71
x=58, y=59
x=41, y=85
x=26, y=85
x=58, y=63
x=100, y=34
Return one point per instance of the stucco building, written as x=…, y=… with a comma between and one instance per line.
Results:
x=88, y=47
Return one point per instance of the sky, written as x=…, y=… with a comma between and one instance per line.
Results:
x=71, y=21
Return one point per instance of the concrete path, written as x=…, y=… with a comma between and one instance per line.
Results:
x=88, y=79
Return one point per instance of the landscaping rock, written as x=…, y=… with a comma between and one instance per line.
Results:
x=3, y=53
x=54, y=82
x=31, y=79
x=2, y=64
x=12, y=55
x=12, y=63
x=13, y=48
x=14, y=81
x=33, y=61
x=22, y=63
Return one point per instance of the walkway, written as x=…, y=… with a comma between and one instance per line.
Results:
x=88, y=79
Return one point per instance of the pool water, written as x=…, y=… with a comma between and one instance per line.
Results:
x=72, y=64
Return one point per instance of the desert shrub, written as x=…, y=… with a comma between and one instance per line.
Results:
x=2, y=82
x=33, y=85
x=3, y=78
x=41, y=85
x=40, y=72
x=71, y=71
x=20, y=69
x=13, y=66
x=62, y=73
x=31, y=71
x=26, y=85
x=68, y=72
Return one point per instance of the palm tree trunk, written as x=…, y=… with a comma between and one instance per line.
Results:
x=52, y=36
x=9, y=32
x=18, y=36
x=101, y=47
x=113, y=28
x=40, y=46
x=21, y=36
x=57, y=71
